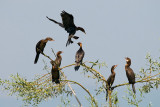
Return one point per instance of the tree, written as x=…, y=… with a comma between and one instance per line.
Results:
x=42, y=88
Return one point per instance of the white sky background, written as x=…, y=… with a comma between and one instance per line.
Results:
x=115, y=29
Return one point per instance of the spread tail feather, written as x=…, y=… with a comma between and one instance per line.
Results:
x=36, y=59
x=69, y=42
x=133, y=87
x=77, y=66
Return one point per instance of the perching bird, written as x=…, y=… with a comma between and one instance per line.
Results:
x=68, y=25
x=79, y=57
x=110, y=79
x=41, y=45
x=55, y=68
x=130, y=74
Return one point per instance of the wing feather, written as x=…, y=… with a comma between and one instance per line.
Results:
x=79, y=56
x=67, y=19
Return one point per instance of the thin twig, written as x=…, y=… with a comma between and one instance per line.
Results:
x=40, y=79
x=85, y=90
x=44, y=54
x=66, y=66
x=91, y=69
x=140, y=81
x=53, y=52
x=151, y=76
x=72, y=90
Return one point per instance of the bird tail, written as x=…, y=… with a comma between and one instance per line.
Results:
x=36, y=59
x=57, y=81
x=106, y=94
x=69, y=42
x=133, y=87
x=75, y=37
x=53, y=80
x=77, y=66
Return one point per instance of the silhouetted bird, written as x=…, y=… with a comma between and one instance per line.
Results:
x=79, y=57
x=55, y=68
x=110, y=79
x=41, y=45
x=68, y=25
x=130, y=74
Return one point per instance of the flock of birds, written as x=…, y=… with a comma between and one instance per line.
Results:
x=69, y=26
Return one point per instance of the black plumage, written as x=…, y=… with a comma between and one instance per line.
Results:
x=41, y=45
x=130, y=74
x=55, y=68
x=110, y=79
x=68, y=25
x=79, y=57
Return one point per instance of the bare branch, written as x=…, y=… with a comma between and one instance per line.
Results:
x=44, y=54
x=140, y=81
x=84, y=89
x=91, y=69
x=72, y=90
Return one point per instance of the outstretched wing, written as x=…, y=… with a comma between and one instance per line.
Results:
x=60, y=24
x=68, y=19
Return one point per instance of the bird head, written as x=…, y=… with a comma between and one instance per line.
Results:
x=49, y=39
x=128, y=59
x=80, y=44
x=59, y=52
x=113, y=67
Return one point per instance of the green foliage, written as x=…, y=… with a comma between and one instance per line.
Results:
x=41, y=88
x=150, y=79
x=131, y=98
x=90, y=101
x=114, y=97
x=33, y=91
x=66, y=102
x=151, y=74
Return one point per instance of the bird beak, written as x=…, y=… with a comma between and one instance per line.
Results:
x=52, y=40
x=116, y=65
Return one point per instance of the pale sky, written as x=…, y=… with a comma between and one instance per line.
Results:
x=114, y=29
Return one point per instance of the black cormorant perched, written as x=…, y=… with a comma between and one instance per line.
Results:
x=111, y=78
x=79, y=57
x=55, y=68
x=41, y=45
x=130, y=74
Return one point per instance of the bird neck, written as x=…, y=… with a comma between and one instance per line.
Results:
x=59, y=56
x=128, y=63
x=127, y=66
x=45, y=40
x=80, y=46
x=112, y=71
